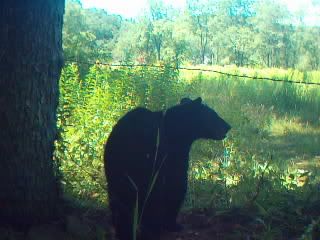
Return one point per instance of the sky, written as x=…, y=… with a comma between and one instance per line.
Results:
x=134, y=8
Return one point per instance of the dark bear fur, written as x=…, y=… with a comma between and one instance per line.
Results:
x=146, y=145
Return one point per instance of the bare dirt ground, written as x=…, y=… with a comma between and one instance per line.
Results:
x=90, y=224
x=95, y=225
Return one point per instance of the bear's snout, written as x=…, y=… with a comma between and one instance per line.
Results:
x=222, y=130
x=227, y=127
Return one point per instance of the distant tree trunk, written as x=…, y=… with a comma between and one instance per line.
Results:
x=159, y=53
x=203, y=46
x=30, y=66
x=158, y=44
x=217, y=56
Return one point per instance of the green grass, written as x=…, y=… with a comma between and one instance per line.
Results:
x=278, y=120
x=275, y=73
x=270, y=160
x=273, y=150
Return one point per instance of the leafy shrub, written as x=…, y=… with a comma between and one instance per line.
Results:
x=273, y=126
x=89, y=108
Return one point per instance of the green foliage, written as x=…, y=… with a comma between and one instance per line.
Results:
x=88, y=34
x=259, y=166
x=260, y=33
x=267, y=164
x=89, y=108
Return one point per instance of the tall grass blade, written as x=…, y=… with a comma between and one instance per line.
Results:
x=135, y=211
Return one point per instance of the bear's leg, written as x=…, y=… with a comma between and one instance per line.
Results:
x=152, y=219
x=124, y=223
x=122, y=200
x=153, y=213
x=176, y=188
x=122, y=216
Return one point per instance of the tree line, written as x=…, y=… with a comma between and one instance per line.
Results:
x=255, y=33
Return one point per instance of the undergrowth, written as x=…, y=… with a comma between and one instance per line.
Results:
x=269, y=163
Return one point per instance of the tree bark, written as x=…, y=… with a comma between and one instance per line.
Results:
x=30, y=66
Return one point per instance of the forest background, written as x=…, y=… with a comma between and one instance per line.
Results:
x=268, y=165
x=252, y=33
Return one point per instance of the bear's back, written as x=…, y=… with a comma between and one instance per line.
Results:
x=134, y=134
x=131, y=146
x=138, y=123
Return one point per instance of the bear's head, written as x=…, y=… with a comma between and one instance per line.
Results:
x=192, y=119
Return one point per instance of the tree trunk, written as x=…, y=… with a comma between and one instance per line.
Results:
x=30, y=65
x=158, y=45
x=159, y=53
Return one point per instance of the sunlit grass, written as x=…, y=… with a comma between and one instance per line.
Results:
x=297, y=141
x=269, y=159
x=274, y=73
x=275, y=132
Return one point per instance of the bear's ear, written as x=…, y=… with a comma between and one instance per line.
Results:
x=185, y=100
x=198, y=100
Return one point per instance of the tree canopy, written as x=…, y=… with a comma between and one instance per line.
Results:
x=259, y=33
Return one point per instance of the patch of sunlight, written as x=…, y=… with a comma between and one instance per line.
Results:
x=296, y=141
x=285, y=126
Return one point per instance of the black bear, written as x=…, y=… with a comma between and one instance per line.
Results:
x=146, y=164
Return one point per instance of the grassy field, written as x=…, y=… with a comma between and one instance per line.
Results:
x=273, y=123
x=269, y=163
